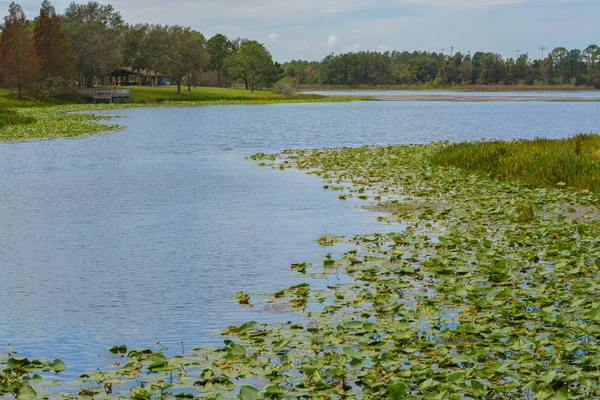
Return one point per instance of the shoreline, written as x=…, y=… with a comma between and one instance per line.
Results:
x=488, y=99
x=472, y=88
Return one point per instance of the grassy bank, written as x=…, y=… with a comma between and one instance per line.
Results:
x=25, y=120
x=458, y=88
x=574, y=162
x=151, y=94
x=471, y=298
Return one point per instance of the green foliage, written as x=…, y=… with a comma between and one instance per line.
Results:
x=219, y=49
x=438, y=70
x=184, y=53
x=573, y=162
x=525, y=212
x=18, y=59
x=54, y=53
x=94, y=31
x=18, y=375
x=12, y=117
x=252, y=62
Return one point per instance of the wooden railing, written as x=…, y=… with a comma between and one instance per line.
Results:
x=104, y=93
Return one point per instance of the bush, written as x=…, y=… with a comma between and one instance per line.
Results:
x=287, y=86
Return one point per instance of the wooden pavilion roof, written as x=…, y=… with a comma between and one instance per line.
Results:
x=127, y=71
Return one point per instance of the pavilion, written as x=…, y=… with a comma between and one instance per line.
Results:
x=128, y=76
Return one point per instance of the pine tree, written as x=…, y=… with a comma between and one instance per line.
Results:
x=53, y=49
x=17, y=55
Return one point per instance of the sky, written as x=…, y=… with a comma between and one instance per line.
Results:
x=312, y=29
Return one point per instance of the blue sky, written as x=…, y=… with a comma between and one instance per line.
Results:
x=311, y=29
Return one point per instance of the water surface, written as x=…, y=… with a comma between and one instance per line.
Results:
x=146, y=233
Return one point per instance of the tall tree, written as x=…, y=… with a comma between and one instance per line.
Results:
x=53, y=50
x=219, y=49
x=197, y=57
x=17, y=54
x=95, y=33
x=184, y=51
x=134, y=55
x=154, y=48
x=251, y=61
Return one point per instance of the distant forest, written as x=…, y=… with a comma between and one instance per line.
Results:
x=53, y=53
x=560, y=67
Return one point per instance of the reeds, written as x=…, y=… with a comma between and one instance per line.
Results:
x=573, y=162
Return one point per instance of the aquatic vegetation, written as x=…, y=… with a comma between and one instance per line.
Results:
x=11, y=117
x=466, y=300
x=573, y=162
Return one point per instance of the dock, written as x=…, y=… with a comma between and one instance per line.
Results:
x=105, y=94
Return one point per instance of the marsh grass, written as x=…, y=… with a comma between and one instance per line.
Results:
x=573, y=162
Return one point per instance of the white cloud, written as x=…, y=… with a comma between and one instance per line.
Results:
x=332, y=41
x=273, y=37
x=306, y=26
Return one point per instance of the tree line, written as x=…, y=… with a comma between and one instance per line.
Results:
x=560, y=67
x=53, y=53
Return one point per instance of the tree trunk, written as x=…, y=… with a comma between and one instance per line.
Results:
x=179, y=86
x=189, y=82
x=246, y=82
x=219, y=76
x=89, y=81
x=252, y=86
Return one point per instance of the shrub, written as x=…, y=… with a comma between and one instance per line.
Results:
x=287, y=86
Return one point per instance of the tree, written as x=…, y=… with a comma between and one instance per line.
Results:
x=219, y=49
x=17, y=54
x=183, y=53
x=252, y=60
x=53, y=50
x=154, y=48
x=95, y=34
x=197, y=57
x=134, y=55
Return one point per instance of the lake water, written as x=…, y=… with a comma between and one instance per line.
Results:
x=145, y=234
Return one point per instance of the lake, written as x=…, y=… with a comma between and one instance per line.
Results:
x=145, y=234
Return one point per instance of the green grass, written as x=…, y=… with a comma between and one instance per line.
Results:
x=573, y=162
x=149, y=94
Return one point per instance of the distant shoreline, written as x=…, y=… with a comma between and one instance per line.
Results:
x=470, y=88
x=480, y=99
